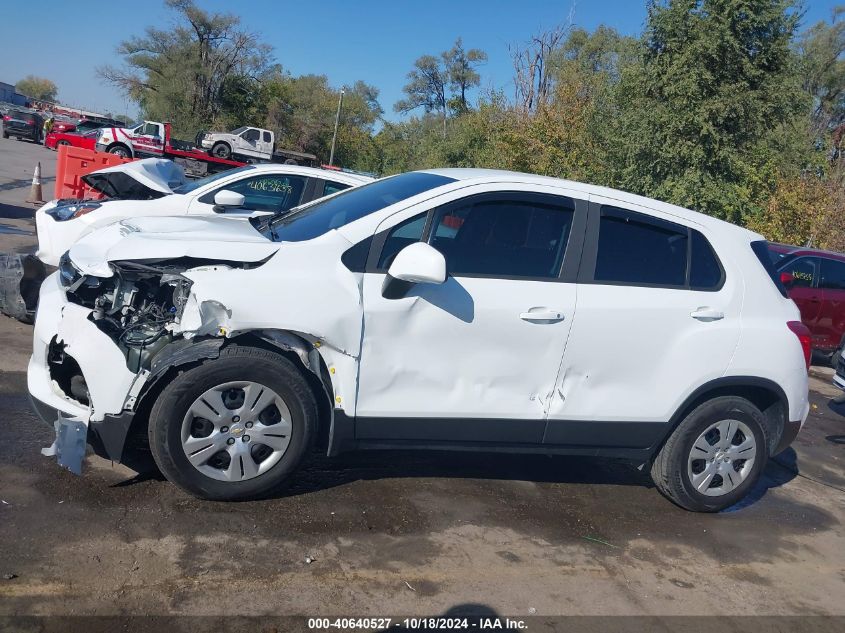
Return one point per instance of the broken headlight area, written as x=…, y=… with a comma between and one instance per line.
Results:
x=72, y=209
x=136, y=307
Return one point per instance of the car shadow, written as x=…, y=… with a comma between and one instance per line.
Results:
x=781, y=469
x=836, y=407
x=323, y=473
x=16, y=212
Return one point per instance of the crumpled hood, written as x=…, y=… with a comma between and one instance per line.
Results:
x=140, y=179
x=155, y=238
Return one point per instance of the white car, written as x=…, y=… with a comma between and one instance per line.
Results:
x=453, y=308
x=156, y=186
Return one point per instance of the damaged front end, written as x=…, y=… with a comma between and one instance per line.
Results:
x=138, y=307
x=101, y=340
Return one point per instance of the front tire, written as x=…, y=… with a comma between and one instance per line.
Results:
x=714, y=456
x=221, y=150
x=234, y=428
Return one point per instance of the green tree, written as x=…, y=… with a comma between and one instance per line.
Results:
x=822, y=49
x=186, y=73
x=37, y=88
x=459, y=65
x=716, y=78
x=426, y=88
x=437, y=84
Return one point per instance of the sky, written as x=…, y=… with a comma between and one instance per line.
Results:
x=376, y=41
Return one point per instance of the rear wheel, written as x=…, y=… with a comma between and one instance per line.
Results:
x=714, y=456
x=235, y=427
x=119, y=150
x=5, y=135
x=221, y=150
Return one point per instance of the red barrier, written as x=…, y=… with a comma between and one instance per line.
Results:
x=75, y=162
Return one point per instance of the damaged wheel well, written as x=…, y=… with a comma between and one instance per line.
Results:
x=176, y=359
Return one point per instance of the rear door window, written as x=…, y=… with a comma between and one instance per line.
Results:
x=640, y=250
x=705, y=270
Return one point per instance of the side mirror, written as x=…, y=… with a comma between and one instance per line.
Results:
x=787, y=279
x=418, y=263
x=226, y=199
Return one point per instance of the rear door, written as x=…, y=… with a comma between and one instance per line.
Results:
x=265, y=144
x=831, y=319
x=657, y=316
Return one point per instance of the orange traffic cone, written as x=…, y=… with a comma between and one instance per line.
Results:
x=35, y=190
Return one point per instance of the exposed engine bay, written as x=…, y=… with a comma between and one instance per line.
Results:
x=140, y=306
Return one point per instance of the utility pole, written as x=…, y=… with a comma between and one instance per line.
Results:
x=336, y=123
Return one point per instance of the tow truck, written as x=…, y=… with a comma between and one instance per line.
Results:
x=154, y=139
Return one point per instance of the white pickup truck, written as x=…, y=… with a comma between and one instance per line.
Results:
x=249, y=143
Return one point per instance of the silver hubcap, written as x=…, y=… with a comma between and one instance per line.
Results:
x=236, y=431
x=721, y=458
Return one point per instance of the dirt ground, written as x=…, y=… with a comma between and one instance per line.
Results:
x=404, y=532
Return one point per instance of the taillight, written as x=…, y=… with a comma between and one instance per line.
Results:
x=803, y=333
x=6, y=117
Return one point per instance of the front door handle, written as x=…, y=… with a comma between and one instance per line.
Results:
x=541, y=315
x=707, y=314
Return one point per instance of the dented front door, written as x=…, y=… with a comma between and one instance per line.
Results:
x=475, y=358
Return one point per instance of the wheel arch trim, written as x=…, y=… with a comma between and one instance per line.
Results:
x=775, y=412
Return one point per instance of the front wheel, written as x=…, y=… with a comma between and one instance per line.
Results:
x=714, y=456
x=221, y=150
x=235, y=427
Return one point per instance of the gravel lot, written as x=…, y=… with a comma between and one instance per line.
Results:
x=404, y=533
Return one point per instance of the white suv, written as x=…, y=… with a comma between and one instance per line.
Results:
x=471, y=309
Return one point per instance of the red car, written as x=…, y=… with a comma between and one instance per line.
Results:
x=63, y=125
x=815, y=280
x=86, y=140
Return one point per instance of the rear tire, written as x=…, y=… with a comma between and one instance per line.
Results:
x=834, y=358
x=120, y=150
x=219, y=472
x=714, y=456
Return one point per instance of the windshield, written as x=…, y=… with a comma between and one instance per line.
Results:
x=350, y=205
x=190, y=186
x=238, y=131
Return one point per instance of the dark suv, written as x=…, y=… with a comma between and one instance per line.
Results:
x=815, y=281
x=22, y=124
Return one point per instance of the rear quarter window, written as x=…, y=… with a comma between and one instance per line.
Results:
x=761, y=250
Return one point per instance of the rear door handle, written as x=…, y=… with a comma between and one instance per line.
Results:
x=707, y=314
x=542, y=315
